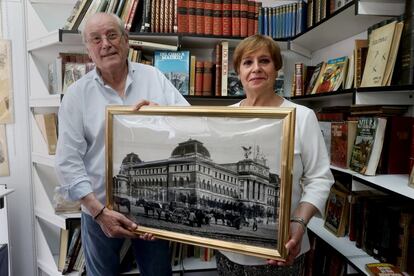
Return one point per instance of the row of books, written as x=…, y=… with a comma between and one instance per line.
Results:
x=318, y=10
x=71, y=256
x=181, y=251
x=369, y=145
x=236, y=18
x=382, y=225
x=283, y=21
x=363, y=68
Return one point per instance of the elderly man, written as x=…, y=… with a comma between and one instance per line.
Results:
x=80, y=157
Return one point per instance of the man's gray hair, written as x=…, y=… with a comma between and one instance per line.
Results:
x=118, y=20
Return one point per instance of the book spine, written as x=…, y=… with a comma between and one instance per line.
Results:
x=250, y=17
x=175, y=16
x=207, y=78
x=218, y=70
x=208, y=17
x=226, y=18
x=199, y=69
x=224, y=67
x=192, y=75
x=217, y=18
x=257, y=8
x=191, y=16
x=244, y=9
x=235, y=18
x=199, y=17
x=152, y=25
x=171, y=14
x=182, y=16
x=298, y=79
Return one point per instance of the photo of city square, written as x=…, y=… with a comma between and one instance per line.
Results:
x=192, y=181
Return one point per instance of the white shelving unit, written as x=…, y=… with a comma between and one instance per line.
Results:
x=325, y=38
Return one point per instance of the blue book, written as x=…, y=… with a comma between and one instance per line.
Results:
x=176, y=67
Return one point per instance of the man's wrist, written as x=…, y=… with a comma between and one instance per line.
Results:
x=97, y=215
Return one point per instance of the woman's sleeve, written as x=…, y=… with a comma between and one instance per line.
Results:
x=317, y=178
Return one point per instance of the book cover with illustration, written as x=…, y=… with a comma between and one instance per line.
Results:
x=176, y=67
x=333, y=75
x=368, y=144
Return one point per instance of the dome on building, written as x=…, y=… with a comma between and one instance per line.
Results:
x=189, y=148
x=131, y=158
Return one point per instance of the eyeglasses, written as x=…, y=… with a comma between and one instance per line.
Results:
x=112, y=37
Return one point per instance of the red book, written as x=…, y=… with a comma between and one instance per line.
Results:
x=199, y=17
x=235, y=18
x=396, y=149
x=208, y=17
x=182, y=16
x=244, y=9
x=199, y=69
x=258, y=7
x=227, y=17
x=191, y=11
x=342, y=141
x=298, y=79
x=217, y=24
x=250, y=18
x=207, y=78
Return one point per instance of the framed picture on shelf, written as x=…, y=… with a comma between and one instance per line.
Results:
x=336, y=216
x=217, y=177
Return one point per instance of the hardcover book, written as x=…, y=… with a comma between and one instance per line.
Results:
x=176, y=67
x=337, y=208
x=360, y=56
x=368, y=144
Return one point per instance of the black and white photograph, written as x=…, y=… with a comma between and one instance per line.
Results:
x=213, y=177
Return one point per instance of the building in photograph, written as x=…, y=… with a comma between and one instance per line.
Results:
x=189, y=177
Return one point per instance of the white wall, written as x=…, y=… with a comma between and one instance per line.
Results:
x=21, y=220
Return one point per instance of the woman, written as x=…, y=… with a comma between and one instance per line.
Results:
x=257, y=60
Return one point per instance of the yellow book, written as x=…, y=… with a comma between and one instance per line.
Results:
x=47, y=126
x=380, y=42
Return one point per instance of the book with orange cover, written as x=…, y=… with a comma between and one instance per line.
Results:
x=199, y=69
x=244, y=9
x=191, y=11
x=182, y=16
x=208, y=17
x=207, y=78
x=251, y=9
x=226, y=17
x=235, y=18
x=199, y=15
x=217, y=18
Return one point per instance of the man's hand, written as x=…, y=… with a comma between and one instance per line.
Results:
x=116, y=225
x=142, y=103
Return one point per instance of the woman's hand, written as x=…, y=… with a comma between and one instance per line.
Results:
x=116, y=225
x=293, y=245
x=142, y=103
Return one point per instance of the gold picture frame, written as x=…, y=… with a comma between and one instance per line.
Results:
x=218, y=177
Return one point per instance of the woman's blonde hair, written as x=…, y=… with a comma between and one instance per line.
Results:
x=254, y=43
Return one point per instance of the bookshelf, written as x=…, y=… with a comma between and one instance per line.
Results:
x=45, y=40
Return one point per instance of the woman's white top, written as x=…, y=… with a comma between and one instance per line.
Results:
x=312, y=177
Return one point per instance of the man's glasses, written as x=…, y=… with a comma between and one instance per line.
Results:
x=112, y=37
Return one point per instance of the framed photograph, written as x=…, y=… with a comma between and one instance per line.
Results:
x=217, y=177
x=337, y=208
